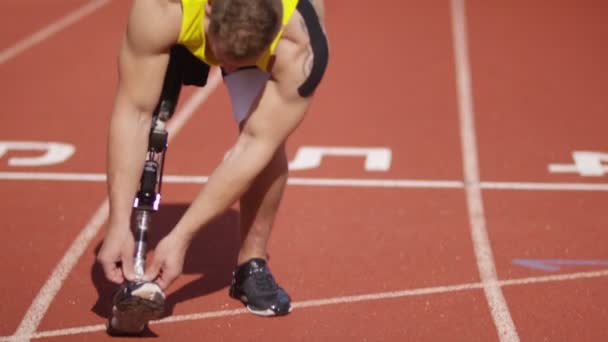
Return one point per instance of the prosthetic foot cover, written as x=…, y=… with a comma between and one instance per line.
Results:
x=134, y=305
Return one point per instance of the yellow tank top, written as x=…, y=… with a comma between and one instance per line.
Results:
x=192, y=34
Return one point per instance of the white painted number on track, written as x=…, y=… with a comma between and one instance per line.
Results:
x=53, y=152
x=309, y=157
x=586, y=164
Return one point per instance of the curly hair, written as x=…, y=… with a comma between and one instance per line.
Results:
x=245, y=27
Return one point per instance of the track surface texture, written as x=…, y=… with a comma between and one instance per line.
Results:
x=461, y=195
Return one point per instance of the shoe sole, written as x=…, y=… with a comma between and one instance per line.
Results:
x=132, y=314
x=261, y=312
x=267, y=312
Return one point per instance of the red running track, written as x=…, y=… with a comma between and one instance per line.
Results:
x=423, y=251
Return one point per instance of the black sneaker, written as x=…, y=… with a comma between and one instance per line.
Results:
x=254, y=285
x=134, y=305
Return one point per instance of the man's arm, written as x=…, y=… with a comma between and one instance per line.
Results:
x=276, y=114
x=264, y=131
x=142, y=63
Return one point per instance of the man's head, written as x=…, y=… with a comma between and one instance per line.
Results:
x=240, y=30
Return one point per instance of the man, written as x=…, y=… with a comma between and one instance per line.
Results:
x=273, y=54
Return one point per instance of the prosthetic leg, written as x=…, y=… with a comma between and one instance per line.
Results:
x=147, y=200
x=137, y=302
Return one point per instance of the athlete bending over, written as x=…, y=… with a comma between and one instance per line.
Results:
x=273, y=54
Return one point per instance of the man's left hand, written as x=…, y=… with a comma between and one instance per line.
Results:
x=168, y=261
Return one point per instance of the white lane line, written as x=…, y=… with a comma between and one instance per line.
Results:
x=185, y=179
x=335, y=301
x=313, y=181
x=188, y=179
x=53, y=176
x=375, y=183
x=483, y=250
x=49, y=290
x=45, y=296
x=50, y=30
x=545, y=186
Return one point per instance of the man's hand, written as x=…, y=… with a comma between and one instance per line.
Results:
x=116, y=255
x=168, y=260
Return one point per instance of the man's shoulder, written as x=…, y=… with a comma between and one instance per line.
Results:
x=296, y=61
x=295, y=32
x=158, y=6
x=154, y=24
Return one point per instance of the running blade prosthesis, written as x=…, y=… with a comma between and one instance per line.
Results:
x=134, y=305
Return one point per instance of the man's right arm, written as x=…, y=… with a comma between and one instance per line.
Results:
x=152, y=28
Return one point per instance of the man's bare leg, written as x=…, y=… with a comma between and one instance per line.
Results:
x=252, y=281
x=259, y=206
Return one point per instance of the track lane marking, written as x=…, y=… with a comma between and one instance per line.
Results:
x=479, y=234
x=51, y=287
x=48, y=31
x=544, y=186
x=333, y=301
x=325, y=181
x=189, y=179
